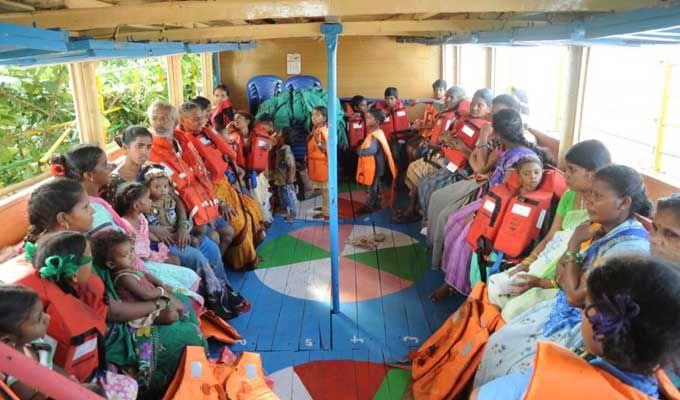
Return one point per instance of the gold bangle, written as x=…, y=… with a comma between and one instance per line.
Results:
x=555, y=283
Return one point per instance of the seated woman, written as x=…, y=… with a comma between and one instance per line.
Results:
x=88, y=164
x=627, y=334
x=432, y=158
x=63, y=204
x=581, y=163
x=617, y=194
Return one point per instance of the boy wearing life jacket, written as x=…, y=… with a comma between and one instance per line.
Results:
x=374, y=152
x=425, y=125
x=627, y=333
x=317, y=158
x=356, y=133
x=396, y=118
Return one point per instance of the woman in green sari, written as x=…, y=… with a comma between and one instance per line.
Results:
x=150, y=355
x=514, y=292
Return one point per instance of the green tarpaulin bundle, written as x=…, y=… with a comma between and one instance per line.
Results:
x=297, y=105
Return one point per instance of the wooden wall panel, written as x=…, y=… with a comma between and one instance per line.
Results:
x=366, y=65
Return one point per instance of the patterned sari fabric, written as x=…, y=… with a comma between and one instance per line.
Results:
x=151, y=354
x=513, y=347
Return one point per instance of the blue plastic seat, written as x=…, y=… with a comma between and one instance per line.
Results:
x=297, y=82
x=260, y=88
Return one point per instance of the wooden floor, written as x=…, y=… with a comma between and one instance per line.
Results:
x=385, y=313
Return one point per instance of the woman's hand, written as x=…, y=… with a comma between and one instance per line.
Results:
x=582, y=233
x=518, y=268
x=523, y=283
x=485, y=134
x=182, y=237
x=163, y=234
x=227, y=211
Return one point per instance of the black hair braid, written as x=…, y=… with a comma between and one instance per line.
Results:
x=47, y=201
x=508, y=124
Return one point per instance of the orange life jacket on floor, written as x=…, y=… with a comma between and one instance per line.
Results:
x=247, y=381
x=527, y=214
x=467, y=130
x=356, y=129
x=396, y=120
x=489, y=217
x=258, y=157
x=213, y=149
x=75, y=325
x=198, y=198
x=195, y=379
x=223, y=115
x=317, y=160
x=556, y=368
x=446, y=363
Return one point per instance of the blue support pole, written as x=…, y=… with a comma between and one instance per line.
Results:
x=330, y=33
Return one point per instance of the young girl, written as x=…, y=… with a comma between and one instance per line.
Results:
x=132, y=202
x=23, y=325
x=223, y=112
x=375, y=146
x=284, y=174
x=627, y=332
x=581, y=162
x=317, y=158
x=115, y=251
x=65, y=258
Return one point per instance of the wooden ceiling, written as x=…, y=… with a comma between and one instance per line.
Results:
x=232, y=20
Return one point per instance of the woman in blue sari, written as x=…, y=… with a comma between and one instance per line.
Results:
x=617, y=194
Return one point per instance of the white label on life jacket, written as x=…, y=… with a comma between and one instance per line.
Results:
x=196, y=369
x=85, y=348
x=262, y=143
x=448, y=124
x=356, y=125
x=519, y=209
x=541, y=217
x=468, y=131
x=489, y=205
x=451, y=167
x=401, y=113
x=387, y=119
x=205, y=140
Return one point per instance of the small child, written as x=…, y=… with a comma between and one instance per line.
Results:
x=284, y=174
x=317, y=158
x=530, y=171
x=132, y=202
x=23, y=325
x=628, y=330
x=114, y=250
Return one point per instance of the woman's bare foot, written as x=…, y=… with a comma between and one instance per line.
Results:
x=441, y=293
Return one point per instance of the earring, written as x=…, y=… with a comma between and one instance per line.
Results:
x=65, y=225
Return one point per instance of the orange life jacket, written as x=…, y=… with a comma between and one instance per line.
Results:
x=446, y=363
x=196, y=195
x=445, y=120
x=367, y=166
x=356, y=129
x=247, y=381
x=430, y=114
x=195, y=379
x=223, y=115
x=555, y=368
x=213, y=149
x=467, y=130
x=258, y=157
x=75, y=325
x=396, y=120
x=526, y=215
x=234, y=136
x=489, y=217
x=317, y=161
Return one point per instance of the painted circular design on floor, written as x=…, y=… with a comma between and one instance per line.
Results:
x=350, y=380
x=298, y=263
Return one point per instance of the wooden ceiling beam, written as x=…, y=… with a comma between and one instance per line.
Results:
x=200, y=11
x=312, y=29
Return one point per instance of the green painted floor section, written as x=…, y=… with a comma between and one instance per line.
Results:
x=287, y=250
x=407, y=262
